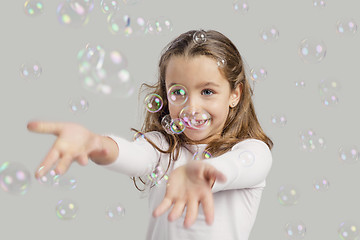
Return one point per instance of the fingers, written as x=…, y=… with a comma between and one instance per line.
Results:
x=50, y=159
x=45, y=127
x=176, y=211
x=64, y=164
x=163, y=207
x=208, y=207
x=192, y=210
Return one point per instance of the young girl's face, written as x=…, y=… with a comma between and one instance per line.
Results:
x=207, y=89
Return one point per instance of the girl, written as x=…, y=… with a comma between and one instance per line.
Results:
x=206, y=71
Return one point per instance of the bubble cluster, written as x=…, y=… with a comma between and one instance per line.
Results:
x=201, y=155
x=115, y=211
x=288, y=195
x=33, y=8
x=195, y=118
x=66, y=209
x=269, y=34
x=312, y=51
x=309, y=141
x=349, y=230
x=241, y=6
x=349, y=154
x=295, y=230
x=346, y=27
x=328, y=90
x=199, y=37
x=177, y=94
x=159, y=26
x=153, y=103
x=247, y=158
x=258, y=74
x=278, y=120
x=110, y=6
x=14, y=178
x=319, y=3
x=321, y=184
x=74, y=13
x=78, y=105
x=30, y=70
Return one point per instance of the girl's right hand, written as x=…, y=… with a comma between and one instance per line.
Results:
x=74, y=143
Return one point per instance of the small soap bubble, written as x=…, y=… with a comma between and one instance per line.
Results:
x=90, y=58
x=78, y=104
x=177, y=125
x=201, y=155
x=221, y=62
x=319, y=3
x=118, y=23
x=328, y=90
x=50, y=178
x=30, y=70
x=278, y=120
x=349, y=154
x=153, y=103
x=295, y=230
x=321, y=184
x=288, y=195
x=241, y=6
x=269, y=34
x=177, y=94
x=117, y=84
x=300, y=84
x=312, y=51
x=159, y=26
x=348, y=230
x=65, y=182
x=138, y=26
x=115, y=211
x=66, y=209
x=14, y=178
x=309, y=141
x=138, y=136
x=258, y=74
x=247, y=158
x=157, y=176
x=33, y=8
x=346, y=27
x=195, y=118
x=199, y=37
x=166, y=123
x=110, y=6
x=74, y=13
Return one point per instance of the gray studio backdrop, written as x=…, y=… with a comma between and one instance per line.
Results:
x=55, y=47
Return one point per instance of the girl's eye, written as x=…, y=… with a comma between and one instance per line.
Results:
x=207, y=92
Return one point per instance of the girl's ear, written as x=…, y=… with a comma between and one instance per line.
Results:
x=235, y=96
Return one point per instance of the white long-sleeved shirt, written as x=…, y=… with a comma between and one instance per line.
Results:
x=236, y=201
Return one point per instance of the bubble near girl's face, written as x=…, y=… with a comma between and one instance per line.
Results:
x=312, y=51
x=269, y=34
x=115, y=211
x=195, y=118
x=349, y=154
x=203, y=155
x=30, y=70
x=177, y=94
x=33, y=8
x=153, y=103
x=177, y=126
x=288, y=195
x=295, y=230
x=66, y=209
x=258, y=74
x=14, y=178
x=166, y=124
x=349, y=231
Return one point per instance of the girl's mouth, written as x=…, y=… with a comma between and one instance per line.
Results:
x=196, y=124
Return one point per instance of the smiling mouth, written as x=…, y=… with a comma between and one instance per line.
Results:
x=196, y=124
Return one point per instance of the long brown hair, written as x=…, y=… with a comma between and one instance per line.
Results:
x=241, y=123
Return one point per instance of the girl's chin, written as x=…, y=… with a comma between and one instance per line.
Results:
x=196, y=136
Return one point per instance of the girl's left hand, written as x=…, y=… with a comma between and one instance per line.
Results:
x=188, y=186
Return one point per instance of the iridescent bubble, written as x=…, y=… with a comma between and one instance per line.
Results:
x=319, y=3
x=115, y=211
x=177, y=94
x=312, y=51
x=153, y=103
x=78, y=105
x=166, y=123
x=66, y=209
x=295, y=230
x=110, y=6
x=138, y=136
x=309, y=141
x=74, y=13
x=269, y=34
x=349, y=154
x=177, y=126
x=278, y=120
x=159, y=26
x=288, y=195
x=33, y=8
x=321, y=184
x=14, y=178
x=258, y=74
x=50, y=178
x=221, y=62
x=30, y=70
x=349, y=230
x=90, y=58
x=346, y=27
x=300, y=84
x=157, y=176
x=118, y=23
x=247, y=158
x=241, y=6
x=138, y=26
x=328, y=89
x=199, y=37
x=195, y=118
x=118, y=84
x=65, y=182
x=201, y=155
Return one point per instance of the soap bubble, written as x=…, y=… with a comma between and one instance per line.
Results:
x=74, y=13
x=278, y=120
x=269, y=34
x=177, y=94
x=177, y=125
x=166, y=124
x=78, y=105
x=349, y=154
x=319, y=3
x=321, y=184
x=346, y=27
x=195, y=118
x=288, y=195
x=328, y=89
x=295, y=230
x=349, y=230
x=30, y=70
x=153, y=102
x=199, y=37
x=309, y=141
x=247, y=158
x=50, y=178
x=157, y=176
x=66, y=209
x=115, y=211
x=258, y=74
x=118, y=23
x=110, y=6
x=312, y=51
x=14, y=178
x=300, y=84
x=201, y=155
x=33, y=8
x=241, y=6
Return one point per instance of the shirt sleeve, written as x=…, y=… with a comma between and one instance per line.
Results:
x=136, y=158
x=245, y=166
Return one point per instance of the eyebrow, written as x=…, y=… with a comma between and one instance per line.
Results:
x=206, y=84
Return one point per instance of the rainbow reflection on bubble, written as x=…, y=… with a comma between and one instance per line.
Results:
x=153, y=102
x=115, y=211
x=295, y=230
x=312, y=51
x=288, y=195
x=33, y=8
x=14, y=178
x=66, y=209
